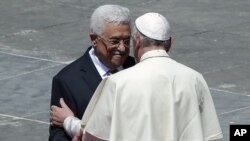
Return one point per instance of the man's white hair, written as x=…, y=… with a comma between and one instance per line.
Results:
x=109, y=14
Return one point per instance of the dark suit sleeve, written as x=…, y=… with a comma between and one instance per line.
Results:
x=59, y=90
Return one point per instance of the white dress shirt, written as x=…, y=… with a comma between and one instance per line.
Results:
x=101, y=68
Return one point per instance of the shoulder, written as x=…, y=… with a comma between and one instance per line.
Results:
x=74, y=68
x=186, y=70
x=181, y=73
x=69, y=69
x=76, y=65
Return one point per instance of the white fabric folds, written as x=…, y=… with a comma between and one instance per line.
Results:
x=72, y=125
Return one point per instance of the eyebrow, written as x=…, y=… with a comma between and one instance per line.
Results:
x=117, y=38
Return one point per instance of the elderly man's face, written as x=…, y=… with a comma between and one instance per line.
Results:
x=112, y=47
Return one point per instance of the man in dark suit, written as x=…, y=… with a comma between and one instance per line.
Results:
x=76, y=83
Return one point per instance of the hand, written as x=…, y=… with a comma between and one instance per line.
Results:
x=78, y=137
x=59, y=114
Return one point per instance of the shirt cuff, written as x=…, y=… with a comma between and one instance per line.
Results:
x=72, y=126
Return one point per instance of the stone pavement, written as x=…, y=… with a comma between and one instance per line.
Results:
x=39, y=37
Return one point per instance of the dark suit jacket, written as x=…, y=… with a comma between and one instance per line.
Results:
x=76, y=83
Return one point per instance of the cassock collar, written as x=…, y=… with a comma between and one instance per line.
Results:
x=154, y=53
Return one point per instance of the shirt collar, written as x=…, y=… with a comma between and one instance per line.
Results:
x=101, y=68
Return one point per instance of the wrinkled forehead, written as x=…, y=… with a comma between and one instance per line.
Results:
x=116, y=30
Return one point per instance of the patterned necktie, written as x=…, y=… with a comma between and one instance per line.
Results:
x=110, y=72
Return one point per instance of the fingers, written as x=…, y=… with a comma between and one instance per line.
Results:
x=53, y=113
x=59, y=113
x=54, y=108
x=55, y=123
x=81, y=131
x=52, y=117
x=65, y=108
x=78, y=137
x=63, y=104
x=54, y=120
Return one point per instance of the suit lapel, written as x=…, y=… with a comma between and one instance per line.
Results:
x=90, y=74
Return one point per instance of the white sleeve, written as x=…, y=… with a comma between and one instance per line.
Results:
x=209, y=119
x=72, y=126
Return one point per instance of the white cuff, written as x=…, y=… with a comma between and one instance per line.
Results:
x=72, y=126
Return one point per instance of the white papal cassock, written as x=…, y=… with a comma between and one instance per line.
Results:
x=158, y=99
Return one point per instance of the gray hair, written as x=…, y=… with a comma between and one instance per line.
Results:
x=108, y=14
x=146, y=41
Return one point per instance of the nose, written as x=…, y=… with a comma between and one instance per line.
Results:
x=122, y=46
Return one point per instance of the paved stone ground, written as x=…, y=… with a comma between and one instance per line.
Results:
x=39, y=37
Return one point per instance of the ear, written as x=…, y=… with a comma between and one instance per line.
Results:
x=93, y=38
x=137, y=41
x=136, y=45
x=170, y=44
x=171, y=40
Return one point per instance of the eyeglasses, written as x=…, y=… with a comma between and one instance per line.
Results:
x=115, y=42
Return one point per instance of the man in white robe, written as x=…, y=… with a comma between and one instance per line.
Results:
x=158, y=99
